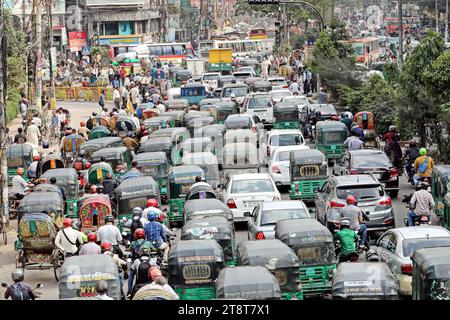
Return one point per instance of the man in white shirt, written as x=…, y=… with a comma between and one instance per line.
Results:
x=109, y=233
x=19, y=184
x=67, y=238
x=134, y=95
x=116, y=97
x=33, y=133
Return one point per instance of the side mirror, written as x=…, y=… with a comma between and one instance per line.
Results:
x=4, y=285
x=247, y=214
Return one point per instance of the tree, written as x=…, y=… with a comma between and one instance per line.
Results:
x=422, y=88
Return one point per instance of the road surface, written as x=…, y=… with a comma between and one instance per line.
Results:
x=80, y=112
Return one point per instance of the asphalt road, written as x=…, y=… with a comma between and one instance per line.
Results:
x=79, y=112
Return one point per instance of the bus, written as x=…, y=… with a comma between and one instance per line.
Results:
x=391, y=25
x=365, y=49
x=240, y=47
x=258, y=33
x=171, y=52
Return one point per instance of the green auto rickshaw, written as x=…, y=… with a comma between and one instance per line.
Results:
x=446, y=215
x=314, y=246
x=132, y=193
x=308, y=171
x=221, y=110
x=99, y=132
x=90, y=146
x=67, y=179
x=158, y=144
x=178, y=136
x=431, y=274
x=181, y=179
x=247, y=282
x=193, y=268
x=18, y=155
x=119, y=158
x=330, y=138
x=98, y=171
x=440, y=177
x=173, y=72
x=181, y=77
x=216, y=132
x=213, y=227
x=155, y=165
x=208, y=162
x=286, y=117
x=177, y=118
x=279, y=259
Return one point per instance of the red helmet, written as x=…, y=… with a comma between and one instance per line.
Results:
x=87, y=165
x=67, y=222
x=36, y=158
x=154, y=273
x=351, y=199
x=152, y=203
x=82, y=124
x=161, y=218
x=139, y=233
x=92, y=237
x=106, y=246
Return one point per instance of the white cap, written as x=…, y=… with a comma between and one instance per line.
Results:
x=33, y=121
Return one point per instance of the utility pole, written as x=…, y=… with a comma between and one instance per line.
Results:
x=446, y=21
x=38, y=71
x=52, y=100
x=4, y=165
x=400, y=33
x=436, y=3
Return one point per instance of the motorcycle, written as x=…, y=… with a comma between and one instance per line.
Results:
x=36, y=293
x=418, y=220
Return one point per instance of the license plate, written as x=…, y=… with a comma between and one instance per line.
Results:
x=310, y=272
x=377, y=176
x=250, y=204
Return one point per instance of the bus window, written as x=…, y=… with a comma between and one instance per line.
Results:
x=178, y=50
x=167, y=50
x=155, y=50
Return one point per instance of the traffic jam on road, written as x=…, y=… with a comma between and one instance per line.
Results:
x=229, y=173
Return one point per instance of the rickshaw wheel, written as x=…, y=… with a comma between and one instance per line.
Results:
x=56, y=266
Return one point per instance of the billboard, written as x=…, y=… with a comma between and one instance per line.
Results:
x=77, y=40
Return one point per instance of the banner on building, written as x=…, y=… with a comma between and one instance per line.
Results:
x=77, y=40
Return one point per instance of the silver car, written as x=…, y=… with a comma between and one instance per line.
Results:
x=279, y=168
x=264, y=217
x=396, y=246
x=371, y=196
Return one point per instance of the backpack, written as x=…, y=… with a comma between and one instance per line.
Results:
x=19, y=292
x=136, y=224
x=142, y=271
x=423, y=166
x=137, y=247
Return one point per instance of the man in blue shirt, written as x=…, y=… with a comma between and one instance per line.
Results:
x=155, y=233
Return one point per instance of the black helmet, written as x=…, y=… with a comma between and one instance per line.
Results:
x=53, y=180
x=109, y=219
x=17, y=275
x=145, y=251
x=45, y=144
x=422, y=185
x=347, y=108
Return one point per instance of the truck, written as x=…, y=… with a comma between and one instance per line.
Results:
x=195, y=66
x=220, y=60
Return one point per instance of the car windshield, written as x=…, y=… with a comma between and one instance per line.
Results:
x=296, y=101
x=281, y=94
x=259, y=102
x=286, y=140
x=360, y=192
x=246, y=69
x=411, y=245
x=211, y=77
x=376, y=160
x=327, y=110
x=272, y=216
x=238, y=91
x=251, y=186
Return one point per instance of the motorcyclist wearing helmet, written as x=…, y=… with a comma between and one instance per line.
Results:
x=111, y=234
x=155, y=233
x=354, y=214
x=140, y=269
x=152, y=206
x=68, y=239
x=135, y=222
x=19, y=290
x=346, y=237
x=32, y=168
x=19, y=184
x=391, y=135
x=91, y=247
x=423, y=166
x=347, y=112
x=107, y=249
x=421, y=204
x=347, y=121
x=411, y=154
x=359, y=132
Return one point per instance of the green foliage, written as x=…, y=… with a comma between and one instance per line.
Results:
x=391, y=72
x=376, y=96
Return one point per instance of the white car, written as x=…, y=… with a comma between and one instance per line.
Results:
x=278, y=95
x=300, y=101
x=283, y=138
x=396, y=246
x=243, y=192
x=279, y=168
x=211, y=79
x=278, y=83
x=260, y=104
x=247, y=69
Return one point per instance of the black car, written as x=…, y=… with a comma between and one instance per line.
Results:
x=320, y=112
x=370, y=161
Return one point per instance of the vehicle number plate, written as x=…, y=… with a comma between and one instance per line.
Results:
x=310, y=272
x=250, y=204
